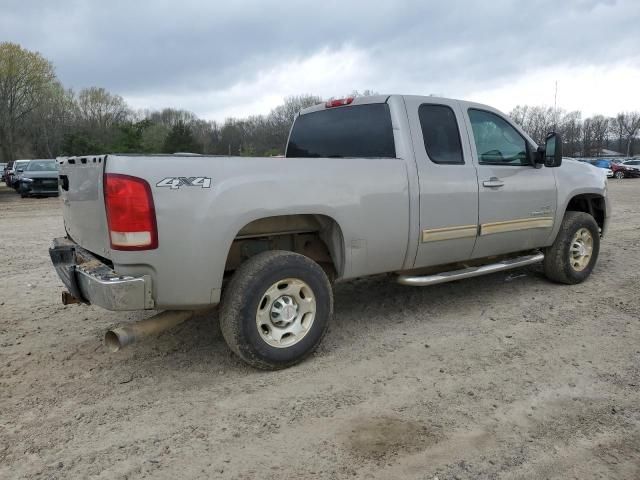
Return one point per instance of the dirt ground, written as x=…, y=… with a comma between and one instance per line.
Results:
x=506, y=376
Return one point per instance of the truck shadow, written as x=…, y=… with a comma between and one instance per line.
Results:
x=375, y=303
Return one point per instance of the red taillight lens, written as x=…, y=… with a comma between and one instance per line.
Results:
x=338, y=102
x=131, y=215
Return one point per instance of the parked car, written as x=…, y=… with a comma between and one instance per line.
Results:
x=18, y=168
x=368, y=185
x=3, y=169
x=619, y=171
x=633, y=164
x=8, y=171
x=39, y=177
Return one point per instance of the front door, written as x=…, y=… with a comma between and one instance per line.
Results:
x=517, y=202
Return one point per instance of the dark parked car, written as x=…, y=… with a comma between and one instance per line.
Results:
x=5, y=172
x=15, y=172
x=39, y=177
x=619, y=170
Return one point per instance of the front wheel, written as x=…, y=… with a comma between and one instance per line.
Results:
x=574, y=253
x=276, y=309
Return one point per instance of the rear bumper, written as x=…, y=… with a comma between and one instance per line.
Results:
x=91, y=281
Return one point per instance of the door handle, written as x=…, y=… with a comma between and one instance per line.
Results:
x=493, y=182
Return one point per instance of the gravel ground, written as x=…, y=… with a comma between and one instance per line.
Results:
x=506, y=376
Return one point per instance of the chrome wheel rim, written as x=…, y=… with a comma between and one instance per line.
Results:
x=286, y=313
x=581, y=249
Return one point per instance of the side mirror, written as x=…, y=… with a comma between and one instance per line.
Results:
x=553, y=150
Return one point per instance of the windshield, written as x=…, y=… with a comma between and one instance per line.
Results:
x=18, y=165
x=40, y=165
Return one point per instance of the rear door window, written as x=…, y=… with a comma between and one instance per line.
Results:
x=440, y=133
x=356, y=131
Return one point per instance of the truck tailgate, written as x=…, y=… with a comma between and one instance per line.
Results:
x=83, y=202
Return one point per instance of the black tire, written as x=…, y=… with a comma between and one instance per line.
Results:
x=619, y=175
x=245, y=291
x=557, y=261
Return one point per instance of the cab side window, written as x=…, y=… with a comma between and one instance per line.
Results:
x=440, y=134
x=497, y=142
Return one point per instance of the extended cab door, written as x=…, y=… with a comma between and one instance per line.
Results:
x=448, y=205
x=517, y=201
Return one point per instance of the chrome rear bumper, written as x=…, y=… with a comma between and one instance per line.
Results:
x=92, y=281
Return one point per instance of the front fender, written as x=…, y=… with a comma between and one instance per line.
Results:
x=575, y=178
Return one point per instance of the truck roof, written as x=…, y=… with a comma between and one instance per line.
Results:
x=363, y=100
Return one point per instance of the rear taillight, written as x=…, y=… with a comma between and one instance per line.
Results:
x=131, y=216
x=339, y=102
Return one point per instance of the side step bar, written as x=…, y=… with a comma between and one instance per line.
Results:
x=421, y=281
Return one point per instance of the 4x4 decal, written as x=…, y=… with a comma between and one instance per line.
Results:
x=175, y=183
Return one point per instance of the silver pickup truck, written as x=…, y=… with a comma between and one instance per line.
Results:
x=426, y=189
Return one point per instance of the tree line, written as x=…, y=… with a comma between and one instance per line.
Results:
x=40, y=118
x=582, y=138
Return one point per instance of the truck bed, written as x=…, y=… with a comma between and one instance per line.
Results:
x=199, y=217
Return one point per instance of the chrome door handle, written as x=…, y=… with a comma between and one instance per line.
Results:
x=493, y=182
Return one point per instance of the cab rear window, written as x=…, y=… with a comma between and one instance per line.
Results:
x=357, y=131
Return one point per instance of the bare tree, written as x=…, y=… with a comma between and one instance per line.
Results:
x=100, y=109
x=169, y=117
x=587, y=138
x=630, y=122
x=50, y=121
x=536, y=121
x=570, y=125
x=520, y=115
x=616, y=127
x=25, y=78
x=599, y=129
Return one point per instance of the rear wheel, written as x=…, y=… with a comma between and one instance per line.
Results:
x=276, y=309
x=574, y=253
x=619, y=174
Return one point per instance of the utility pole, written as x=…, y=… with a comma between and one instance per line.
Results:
x=555, y=107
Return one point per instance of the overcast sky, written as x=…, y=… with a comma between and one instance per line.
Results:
x=236, y=58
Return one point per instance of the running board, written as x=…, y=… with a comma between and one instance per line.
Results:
x=423, y=280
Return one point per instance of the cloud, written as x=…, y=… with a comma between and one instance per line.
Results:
x=242, y=57
x=325, y=73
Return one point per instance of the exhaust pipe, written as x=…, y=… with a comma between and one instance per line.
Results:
x=120, y=337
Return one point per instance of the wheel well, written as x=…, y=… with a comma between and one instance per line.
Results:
x=589, y=203
x=316, y=236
